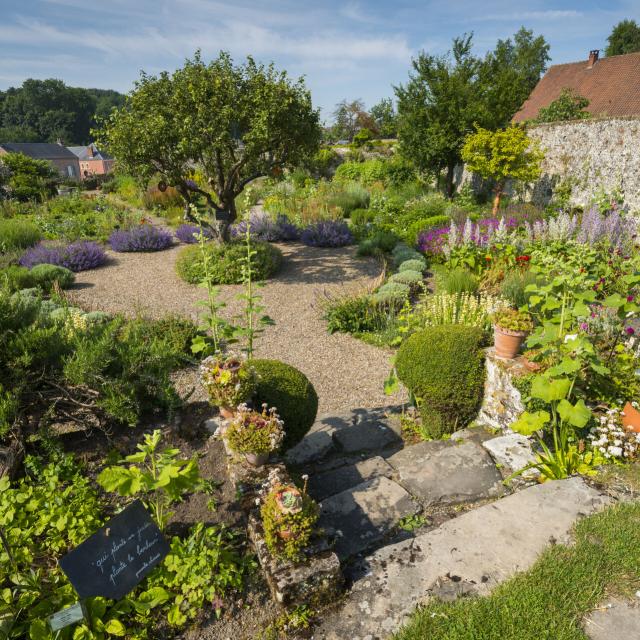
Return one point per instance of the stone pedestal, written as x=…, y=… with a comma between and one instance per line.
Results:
x=502, y=403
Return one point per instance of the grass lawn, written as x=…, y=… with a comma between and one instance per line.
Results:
x=550, y=600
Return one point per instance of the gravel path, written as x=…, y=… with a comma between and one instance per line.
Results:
x=347, y=373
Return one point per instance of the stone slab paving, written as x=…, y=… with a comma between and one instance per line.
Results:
x=368, y=435
x=323, y=485
x=440, y=472
x=513, y=452
x=318, y=443
x=359, y=517
x=480, y=548
x=615, y=621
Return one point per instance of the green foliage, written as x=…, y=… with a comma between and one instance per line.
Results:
x=443, y=368
x=363, y=137
x=567, y=106
x=513, y=320
x=458, y=280
x=514, y=286
x=403, y=254
x=17, y=234
x=394, y=171
x=46, y=275
x=351, y=197
x=30, y=179
x=355, y=314
x=228, y=381
x=412, y=278
x=624, y=38
x=552, y=599
x=300, y=524
x=385, y=118
x=226, y=262
x=502, y=155
x=323, y=162
x=288, y=390
x=391, y=294
x=412, y=265
x=380, y=242
x=161, y=479
x=242, y=121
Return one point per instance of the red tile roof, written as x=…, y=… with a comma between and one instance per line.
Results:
x=612, y=87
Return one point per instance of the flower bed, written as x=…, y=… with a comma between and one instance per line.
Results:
x=144, y=237
x=77, y=256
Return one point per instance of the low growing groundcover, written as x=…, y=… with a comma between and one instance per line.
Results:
x=553, y=597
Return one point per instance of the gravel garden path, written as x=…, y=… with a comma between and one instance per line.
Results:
x=347, y=373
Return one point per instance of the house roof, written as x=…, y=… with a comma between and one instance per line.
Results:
x=83, y=153
x=612, y=86
x=39, y=150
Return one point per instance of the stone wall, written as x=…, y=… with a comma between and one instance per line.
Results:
x=593, y=155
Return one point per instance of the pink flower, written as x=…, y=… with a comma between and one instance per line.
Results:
x=630, y=331
x=629, y=298
x=584, y=326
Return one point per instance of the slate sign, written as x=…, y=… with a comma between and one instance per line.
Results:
x=118, y=556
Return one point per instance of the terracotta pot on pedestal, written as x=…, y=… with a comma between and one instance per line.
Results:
x=631, y=418
x=507, y=343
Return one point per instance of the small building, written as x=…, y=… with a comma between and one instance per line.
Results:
x=612, y=86
x=93, y=162
x=55, y=153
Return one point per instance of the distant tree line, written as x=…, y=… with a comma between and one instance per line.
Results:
x=49, y=110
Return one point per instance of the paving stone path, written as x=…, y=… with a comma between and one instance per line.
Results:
x=429, y=519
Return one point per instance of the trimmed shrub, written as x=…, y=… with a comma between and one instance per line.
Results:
x=45, y=275
x=187, y=233
x=226, y=262
x=413, y=265
x=407, y=254
x=288, y=390
x=413, y=231
x=443, y=368
x=383, y=241
x=392, y=294
x=144, y=237
x=17, y=278
x=327, y=233
x=77, y=256
x=411, y=278
x=18, y=234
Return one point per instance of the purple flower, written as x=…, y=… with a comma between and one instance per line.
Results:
x=187, y=233
x=142, y=238
x=327, y=233
x=77, y=256
x=630, y=331
x=629, y=298
x=263, y=227
x=584, y=326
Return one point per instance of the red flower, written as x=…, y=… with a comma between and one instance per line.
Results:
x=487, y=257
x=523, y=258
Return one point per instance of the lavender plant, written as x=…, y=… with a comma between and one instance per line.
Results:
x=77, y=256
x=144, y=237
x=188, y=233
x=327, y=233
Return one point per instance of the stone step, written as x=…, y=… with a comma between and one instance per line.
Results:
x=476, y=551
x=616, y=620
x=360, y=517
x=323, y=485
x=444, y=472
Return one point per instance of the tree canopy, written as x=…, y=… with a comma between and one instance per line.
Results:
x=438, y=107
x=25, y=178
x=567, y=106
x=624, y=38
x=385, y=118
x=210, y=129
x=48, y=110
x=501, y=155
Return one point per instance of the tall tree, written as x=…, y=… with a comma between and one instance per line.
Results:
x=349, y=118
x=385, y=117
x=231, y=123
x=624, y=38
x=509, y=74
x=438, y=107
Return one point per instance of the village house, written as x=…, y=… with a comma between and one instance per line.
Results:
x=92, y=161
x=58, y=155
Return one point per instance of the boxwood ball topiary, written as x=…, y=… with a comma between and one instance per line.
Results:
x=443, y=367
x=288, y=390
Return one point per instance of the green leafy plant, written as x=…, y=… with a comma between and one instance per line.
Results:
x=161, y=479
x=288, y=528
x=228, y=380
x=254, y=432
x=513, y=320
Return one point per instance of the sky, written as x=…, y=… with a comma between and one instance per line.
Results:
x=349, y=49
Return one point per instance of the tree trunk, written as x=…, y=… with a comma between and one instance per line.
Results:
x=496, y=200
x=449, y=185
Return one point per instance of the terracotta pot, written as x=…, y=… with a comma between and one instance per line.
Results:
x=226, y=412
x=285, y=534
x=507, y=342
x=531, y=365
x=631, y=418
x=256, y=459
x=231, y=365
x=296, y=508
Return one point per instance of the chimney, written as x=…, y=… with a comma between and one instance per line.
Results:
x=594, y=54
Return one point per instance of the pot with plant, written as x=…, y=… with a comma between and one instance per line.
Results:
x=510, y=327
x=289, y=518
x=228, y=381
x=631, y=417
x=254, y=434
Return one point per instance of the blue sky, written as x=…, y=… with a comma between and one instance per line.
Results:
x=349, y=49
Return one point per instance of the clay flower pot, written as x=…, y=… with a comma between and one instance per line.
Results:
x=256, y=459
x=631, y=418
x=531, y=365
x=507, y=342
x=226, y=412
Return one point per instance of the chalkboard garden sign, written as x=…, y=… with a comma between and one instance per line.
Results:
x=118, y=556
